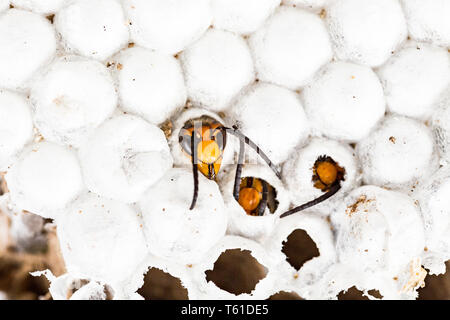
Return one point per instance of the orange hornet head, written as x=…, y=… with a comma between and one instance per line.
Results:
x=250, y=195
x=255, y=195
x=210, y=142
x=327, y=173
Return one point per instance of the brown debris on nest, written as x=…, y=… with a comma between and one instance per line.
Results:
x=167, y=128
x=362, y=200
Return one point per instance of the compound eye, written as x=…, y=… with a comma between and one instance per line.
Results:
x=219, y=137
x=185, y=142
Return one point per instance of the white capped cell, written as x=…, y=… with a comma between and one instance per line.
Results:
x=72, y=98
x=45, y=179
x=414, y=78
x=298, y=173
x=101, y=239
x=16, y=129
x=398, y=154
x=93, y=28
x=40, y=6
x=379, y=232
x=242, y=16
x=124, y=157
x=172, y=230
x=344, y=101
x=379, y=242
x=24, y=51
x=365, y=31
x=273, y=118
x=167, y=26
x=428, y=20
x=216, y=68
x=290, y=47
x=151, y=84
x=4, y=4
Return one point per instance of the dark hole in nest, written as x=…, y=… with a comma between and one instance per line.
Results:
x=354, y=294
x=327, y=173
x=167, y=128
x=36, y=284
x=236, y=271
x=375, y=293
x=351, y=294
x=436, y=287
x=251, y=193
x=159, y=285
x=299, y=248
x=283, y=295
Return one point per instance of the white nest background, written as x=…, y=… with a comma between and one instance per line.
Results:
x=86, y=87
